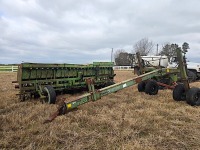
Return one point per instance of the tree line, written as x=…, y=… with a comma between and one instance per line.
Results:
x=145, y=47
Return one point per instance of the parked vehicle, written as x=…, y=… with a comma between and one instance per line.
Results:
x=193, y=69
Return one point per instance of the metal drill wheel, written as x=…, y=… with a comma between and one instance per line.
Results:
x=50, y=94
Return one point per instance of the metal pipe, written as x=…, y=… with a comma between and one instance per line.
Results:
x=182, y=68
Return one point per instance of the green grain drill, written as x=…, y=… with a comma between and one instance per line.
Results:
x=44, y=80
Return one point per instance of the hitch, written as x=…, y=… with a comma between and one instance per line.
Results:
x=61, y=110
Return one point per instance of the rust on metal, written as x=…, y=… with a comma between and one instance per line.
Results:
x=89, y=81
x=138, y=80
x=17, y=86
x=61, y=110
x=166, y=85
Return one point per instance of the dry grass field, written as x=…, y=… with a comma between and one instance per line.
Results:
x=123, y=120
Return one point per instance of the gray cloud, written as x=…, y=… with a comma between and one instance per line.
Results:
x=85, y=31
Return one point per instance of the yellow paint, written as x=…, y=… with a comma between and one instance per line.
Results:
x=167, y=69
x=69, y=105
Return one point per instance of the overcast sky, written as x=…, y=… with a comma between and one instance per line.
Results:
x=83, y=31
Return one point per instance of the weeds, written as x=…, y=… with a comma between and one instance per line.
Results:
x=126, y=119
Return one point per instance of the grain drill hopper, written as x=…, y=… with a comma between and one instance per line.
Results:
x=44, y=80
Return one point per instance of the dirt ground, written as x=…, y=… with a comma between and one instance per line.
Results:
x=123, y=120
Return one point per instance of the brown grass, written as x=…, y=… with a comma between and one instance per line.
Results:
x=123, y=120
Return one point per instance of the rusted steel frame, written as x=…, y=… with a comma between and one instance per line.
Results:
x=166, y=85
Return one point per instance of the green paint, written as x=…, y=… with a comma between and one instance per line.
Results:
x=61, y=76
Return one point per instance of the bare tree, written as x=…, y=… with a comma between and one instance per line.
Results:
x=144, y=46
x=117, y=52
x=121, y=58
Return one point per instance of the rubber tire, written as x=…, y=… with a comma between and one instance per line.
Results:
x=50, y=94
x=179, y=93
x=151, y=87
x=141, y=86
x=193, y=96
x=191, y=76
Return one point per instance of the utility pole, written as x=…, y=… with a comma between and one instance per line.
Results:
x=157, y=50
x=112, y=55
